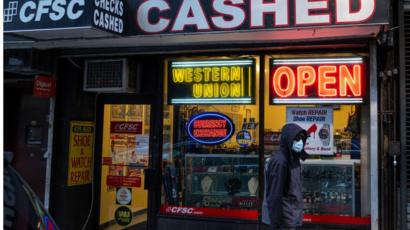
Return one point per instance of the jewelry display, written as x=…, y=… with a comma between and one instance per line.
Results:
x=253, y=185
x=328, y=189
x=206, y=183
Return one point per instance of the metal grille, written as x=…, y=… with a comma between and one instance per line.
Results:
x=407, y=112
x=104, y=74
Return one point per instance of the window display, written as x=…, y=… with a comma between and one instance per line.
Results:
x=229, y=181
x=330, y=186
x=334, y=181
x=211, y=138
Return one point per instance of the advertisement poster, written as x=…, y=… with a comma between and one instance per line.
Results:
x=140, y=155
x=80, y=152
x=318, y=122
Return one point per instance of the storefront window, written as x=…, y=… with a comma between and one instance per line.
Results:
x=334, y=178
x=211, y=138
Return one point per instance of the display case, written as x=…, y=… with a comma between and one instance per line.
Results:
x=221, y=181
x=330, y=187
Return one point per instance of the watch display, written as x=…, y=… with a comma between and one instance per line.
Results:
x=324, y=134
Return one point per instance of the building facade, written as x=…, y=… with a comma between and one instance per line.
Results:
x=165, y=112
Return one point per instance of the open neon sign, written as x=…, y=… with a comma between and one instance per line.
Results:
x=317, y=81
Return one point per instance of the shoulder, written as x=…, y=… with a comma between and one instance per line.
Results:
x=279, y=158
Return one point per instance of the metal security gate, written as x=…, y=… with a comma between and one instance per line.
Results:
x=405, y=112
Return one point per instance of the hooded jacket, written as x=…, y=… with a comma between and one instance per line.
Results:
x=283, y=198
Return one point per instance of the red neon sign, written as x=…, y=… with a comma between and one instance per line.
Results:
x=330, y=80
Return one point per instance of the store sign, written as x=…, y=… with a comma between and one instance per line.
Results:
x=212, y=82
x=126, y=127
x=209, y=212
x=318, y=122
x=210, y=128
x=162, y=16
x=317, y=81
x=45, y=15
x=244, y=138
x=80, y=153
x=126, y=181
x=44, y=86
x=124, y=196
x=123, y=216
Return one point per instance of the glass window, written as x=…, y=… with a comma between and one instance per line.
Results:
x=210, y=157
x=334, y=178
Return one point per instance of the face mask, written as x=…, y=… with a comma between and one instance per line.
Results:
x=297, y=146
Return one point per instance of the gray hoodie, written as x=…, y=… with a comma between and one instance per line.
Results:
x=283, y=198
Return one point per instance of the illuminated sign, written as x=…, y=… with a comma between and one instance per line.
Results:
x=194, y=16
x=212, y=82
x=244, y=138
x=317, y=81
x=210, y=128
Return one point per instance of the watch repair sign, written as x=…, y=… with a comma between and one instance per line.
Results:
x=318, y=122
x=80, y=152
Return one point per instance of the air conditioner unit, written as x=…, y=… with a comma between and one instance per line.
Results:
x=110, y=75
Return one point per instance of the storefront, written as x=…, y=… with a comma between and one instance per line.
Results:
x=223, y=117
x=203, y=92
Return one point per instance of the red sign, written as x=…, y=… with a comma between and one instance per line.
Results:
x=210, y=212
x=312, y=81
x=44, y=86
x=253, y=214
x=333, y=219
x=123, y=181
x=126, y=127
x=107, y=161
x=210, y=128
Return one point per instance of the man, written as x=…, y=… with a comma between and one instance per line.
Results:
x=282, y=206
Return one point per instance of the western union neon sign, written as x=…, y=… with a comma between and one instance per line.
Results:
x=212, y=82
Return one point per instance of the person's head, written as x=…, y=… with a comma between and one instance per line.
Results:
x=298, y=142
x=293, y=139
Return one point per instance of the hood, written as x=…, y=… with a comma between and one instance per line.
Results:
x=289, y=132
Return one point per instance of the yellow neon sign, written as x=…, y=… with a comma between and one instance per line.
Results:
x=213, y=82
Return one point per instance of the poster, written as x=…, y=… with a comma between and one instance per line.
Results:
x=80, y=152
x=140, y=154
x=318, y=122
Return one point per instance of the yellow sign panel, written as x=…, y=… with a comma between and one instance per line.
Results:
x=80, y=152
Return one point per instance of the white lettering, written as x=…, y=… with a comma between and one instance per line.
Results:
x=143, y=16
x=344, y=12
x=190, y=13
x=278, y=8
x=58, y=9
x=41, y=9
x=303, y=15
x=23, y=16
x=237, y=14
x=70, y=9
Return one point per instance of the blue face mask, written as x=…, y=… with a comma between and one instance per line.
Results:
x=297, y=146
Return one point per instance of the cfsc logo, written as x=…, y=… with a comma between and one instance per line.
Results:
x=53, y=10
x=180, y=210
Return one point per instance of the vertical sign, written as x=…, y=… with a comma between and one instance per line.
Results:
x=318, y=122
x=80, y=152
x=44, y=86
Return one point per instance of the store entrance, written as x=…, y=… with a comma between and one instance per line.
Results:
x=125, y=157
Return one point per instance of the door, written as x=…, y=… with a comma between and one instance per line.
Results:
x=25, y=133
x=125, y=156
